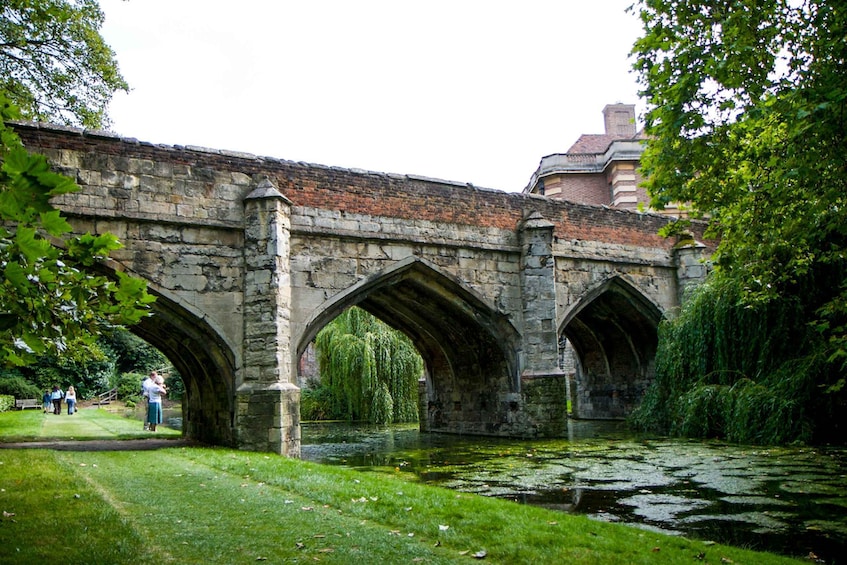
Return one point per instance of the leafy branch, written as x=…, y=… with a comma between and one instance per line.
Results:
x=51, y=301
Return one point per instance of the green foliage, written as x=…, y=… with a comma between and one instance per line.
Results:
x=175, y=384
x=746, y=121
x=7, y=402
x=746, y=106
x=131, y=353
x=89, y=372
x=370, y=371
x=53, y=62
x=51, y=302
x=116, y=358
x=751, y=374
x=55, y=66
x=89, y=375
x=18, y=387
x=315, y=402
x=129, y=386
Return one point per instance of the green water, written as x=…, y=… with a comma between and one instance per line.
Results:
x=790, y=500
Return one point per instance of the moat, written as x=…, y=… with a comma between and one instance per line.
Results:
x=789, y=500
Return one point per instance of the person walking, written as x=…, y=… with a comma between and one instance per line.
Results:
x=56, y=398
x=70, y=400
x=47, y=401
x=154, y=402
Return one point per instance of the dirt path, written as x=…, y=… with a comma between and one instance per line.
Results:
x=103, y=445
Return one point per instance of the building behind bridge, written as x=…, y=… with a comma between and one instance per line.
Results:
x=599, y=169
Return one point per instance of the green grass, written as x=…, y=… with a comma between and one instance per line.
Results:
x=86, y=424
x=215, y=505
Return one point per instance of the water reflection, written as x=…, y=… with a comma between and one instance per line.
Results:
x=790, y=500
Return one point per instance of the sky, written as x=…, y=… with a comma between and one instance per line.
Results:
x=462, y=90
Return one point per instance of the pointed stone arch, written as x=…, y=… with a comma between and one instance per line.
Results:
x=470, y=350
x=206, y=362
x=613, y=335
x=201, y=354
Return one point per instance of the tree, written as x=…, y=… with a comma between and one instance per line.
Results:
x=118, y=359
x=51, y=299
x=748, y=374
x=368, y=371
x=134, y=356
x=54, y=65
x=747, y=119
x=131, y=353
x=89, y=375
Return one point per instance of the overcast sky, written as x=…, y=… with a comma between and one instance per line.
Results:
x=469, y=91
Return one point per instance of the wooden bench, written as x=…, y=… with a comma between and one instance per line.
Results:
x=24, y=403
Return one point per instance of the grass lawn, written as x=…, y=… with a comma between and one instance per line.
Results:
x=86, y=424
x=215, y=505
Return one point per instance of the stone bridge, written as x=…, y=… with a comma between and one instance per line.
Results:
x=249, y=257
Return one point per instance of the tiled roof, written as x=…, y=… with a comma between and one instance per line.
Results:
x=591, y=143
x=596, y=142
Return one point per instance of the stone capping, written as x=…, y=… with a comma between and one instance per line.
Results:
x=103, y=134
x=624, y=254
x=536, y=221
x=631, y=260
x=250, y=387
x=528, y=374
x=267, y=189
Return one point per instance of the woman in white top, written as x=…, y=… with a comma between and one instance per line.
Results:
x=70, y=399
x=155, y=390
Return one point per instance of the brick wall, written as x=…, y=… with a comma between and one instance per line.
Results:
x=592, y=189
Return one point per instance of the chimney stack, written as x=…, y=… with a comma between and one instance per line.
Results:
x=620, y=120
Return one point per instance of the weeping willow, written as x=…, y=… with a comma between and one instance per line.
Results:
x=368, y=371
x=749, y=373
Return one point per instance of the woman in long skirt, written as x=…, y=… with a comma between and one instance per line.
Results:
x=155, y=390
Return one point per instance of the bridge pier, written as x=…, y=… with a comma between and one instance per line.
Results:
x=542, y=383
x=267, y=403
x=268, y=419
x=544, y=398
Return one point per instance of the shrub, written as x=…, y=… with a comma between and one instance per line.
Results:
x=315, y=402
x=129, y=386
x=18, y=387
x=7, y=402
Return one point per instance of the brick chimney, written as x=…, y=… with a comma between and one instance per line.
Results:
x=620, y=120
